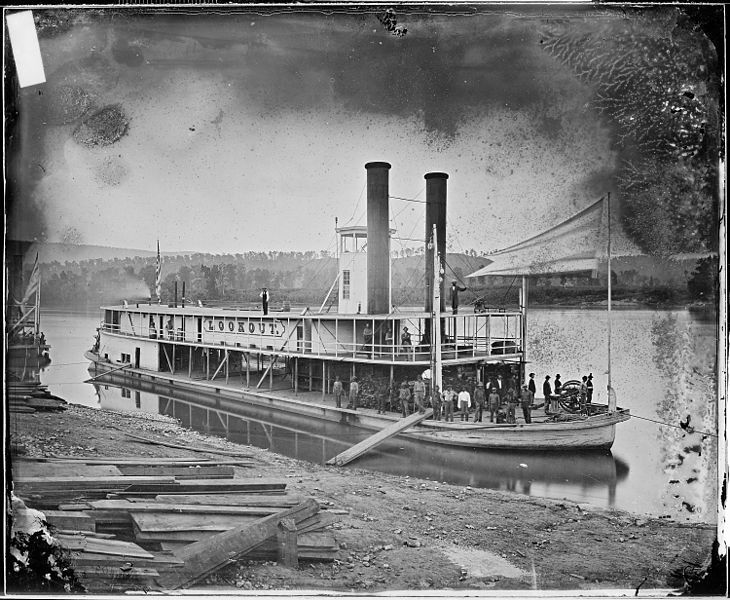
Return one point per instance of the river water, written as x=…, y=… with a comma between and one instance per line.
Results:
x=663, y=365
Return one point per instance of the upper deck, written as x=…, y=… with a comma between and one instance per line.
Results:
x=466, y=338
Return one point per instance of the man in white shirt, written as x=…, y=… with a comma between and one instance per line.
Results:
x=464, y=404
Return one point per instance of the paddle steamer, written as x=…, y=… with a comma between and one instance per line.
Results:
x=289, y=360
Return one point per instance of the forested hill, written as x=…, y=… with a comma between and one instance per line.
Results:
x=301, y=277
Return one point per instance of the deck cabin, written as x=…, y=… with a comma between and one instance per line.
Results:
x=208, y=342
x=192, y=338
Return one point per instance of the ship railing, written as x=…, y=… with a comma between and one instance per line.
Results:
x=463, y=336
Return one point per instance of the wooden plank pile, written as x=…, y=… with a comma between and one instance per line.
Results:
x=28, y=396
x=135, y=523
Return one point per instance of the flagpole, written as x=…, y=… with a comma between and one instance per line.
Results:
x=611, y=395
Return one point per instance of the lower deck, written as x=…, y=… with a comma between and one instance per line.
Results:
x=281, y=394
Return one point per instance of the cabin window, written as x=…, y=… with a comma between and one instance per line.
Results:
x=347, y=243
x=345, y=285
x=126, y=393
x=360, y=242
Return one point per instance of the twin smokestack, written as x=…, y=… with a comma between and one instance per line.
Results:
x=378, y=250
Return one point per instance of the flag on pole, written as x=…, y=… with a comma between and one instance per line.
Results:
x=158, y=278
x=34, y=284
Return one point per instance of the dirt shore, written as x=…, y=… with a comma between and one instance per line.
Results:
x=401, y=533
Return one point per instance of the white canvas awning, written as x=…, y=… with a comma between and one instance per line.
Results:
x=573, y=246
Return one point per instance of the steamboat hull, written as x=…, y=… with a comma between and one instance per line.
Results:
x=590, y=433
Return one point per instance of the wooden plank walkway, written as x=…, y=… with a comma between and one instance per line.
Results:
x=378, y=438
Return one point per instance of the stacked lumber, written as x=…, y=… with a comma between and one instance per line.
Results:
x=32, y=397
x=135, y=523
x=108, y=565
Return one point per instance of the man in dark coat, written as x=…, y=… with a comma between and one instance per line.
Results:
x=589, y=388
x=265, y=300
x=531, y=384
x=526, y=397
x=547, y=392
x=455, y=289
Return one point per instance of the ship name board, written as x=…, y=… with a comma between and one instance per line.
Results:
x=258, y=327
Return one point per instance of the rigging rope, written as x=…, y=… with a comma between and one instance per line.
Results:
x=675, y=426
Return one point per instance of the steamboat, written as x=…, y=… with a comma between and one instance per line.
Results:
x=288, y=361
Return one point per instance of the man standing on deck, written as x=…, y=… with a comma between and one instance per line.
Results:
x=338, y=390
x=589, y=388
x=455, y=289
x=493, y=403
x=354, y=391
x=511, y=404
x=449, y=404
x=526, y=397
x=265, y=300
x=419, y=394
x=531, y=384
x=479, y=400
x=547, y=392
x=404, y=395
x=436, y=401
x=464, y=404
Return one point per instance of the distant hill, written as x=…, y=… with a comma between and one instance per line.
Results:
x=55, y=251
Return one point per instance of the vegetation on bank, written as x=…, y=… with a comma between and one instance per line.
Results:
x=304, y=278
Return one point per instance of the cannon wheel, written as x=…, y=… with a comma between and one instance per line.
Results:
x=569, y=396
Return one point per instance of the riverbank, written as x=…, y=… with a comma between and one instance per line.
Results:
x=401, y=533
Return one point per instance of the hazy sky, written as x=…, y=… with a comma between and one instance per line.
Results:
x=251, y=131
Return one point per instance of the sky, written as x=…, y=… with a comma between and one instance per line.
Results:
x=250, y=131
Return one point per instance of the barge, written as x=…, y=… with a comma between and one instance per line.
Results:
x=289, y=360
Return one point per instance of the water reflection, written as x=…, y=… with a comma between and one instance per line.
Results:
x=582, y=477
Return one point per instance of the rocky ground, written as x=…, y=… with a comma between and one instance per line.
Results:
x=401, y=533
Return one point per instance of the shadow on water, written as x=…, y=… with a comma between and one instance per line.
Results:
x=582, y=477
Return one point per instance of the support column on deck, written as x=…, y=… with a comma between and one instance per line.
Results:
x=296, y=374
x=324, y=379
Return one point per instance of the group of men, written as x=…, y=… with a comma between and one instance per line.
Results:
x=500, y=398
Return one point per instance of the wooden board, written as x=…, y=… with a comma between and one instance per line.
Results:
x=207, y=556
x=191, y=472
x=67, y=519
x=117, y=548
x=204, y=486
x=162, y=507
x=137, y=460
x=38, y=469
x=146, y=440
x=378, y=438
x=64, y=483
x=165, y=523
x=159, y=561
x=232, y=499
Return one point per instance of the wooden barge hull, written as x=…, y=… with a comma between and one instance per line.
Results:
x=595, y=432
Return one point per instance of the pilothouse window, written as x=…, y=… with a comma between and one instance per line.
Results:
x=345, y=285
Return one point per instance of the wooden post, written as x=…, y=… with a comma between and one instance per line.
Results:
x=248, y=371
x=207, y=363
x=324, y=379
x=226, y=359
x=272, y=360
x=287, y=538
x=190, y=363
x=310, y=374
x=296, y=374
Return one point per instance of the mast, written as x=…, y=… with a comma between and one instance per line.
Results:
x=436, y=317
x=609, y=388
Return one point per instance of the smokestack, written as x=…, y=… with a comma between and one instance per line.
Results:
x=435, y=215
x=378, y=249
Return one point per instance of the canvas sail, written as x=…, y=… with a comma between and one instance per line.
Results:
x=573, y=246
